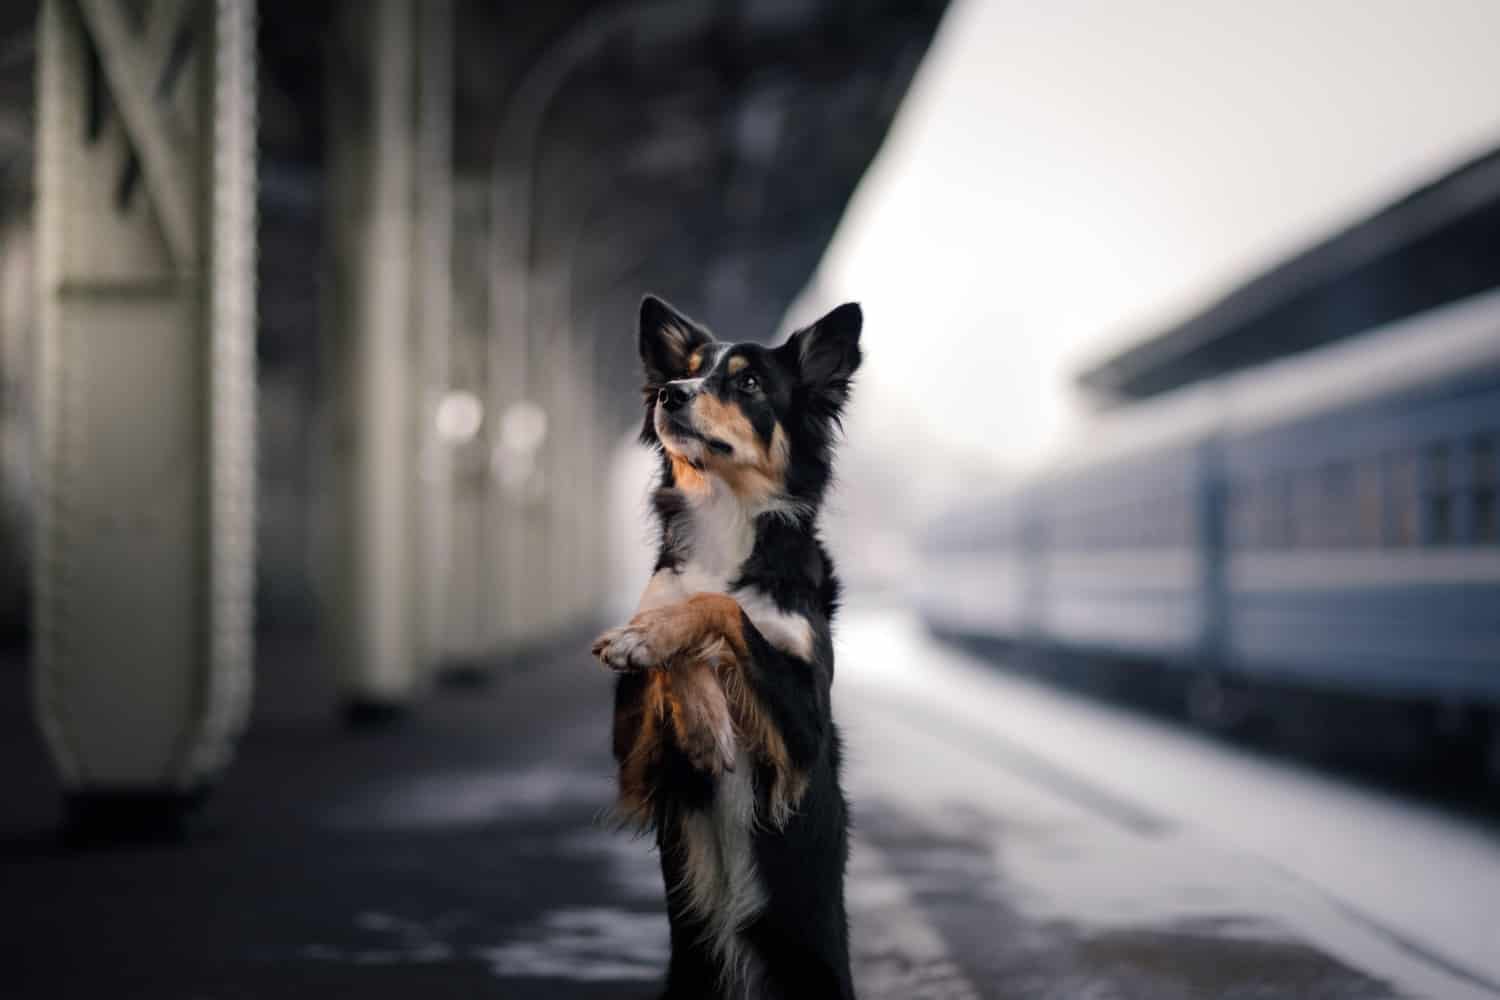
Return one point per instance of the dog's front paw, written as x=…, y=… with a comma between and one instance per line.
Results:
x=626, y=648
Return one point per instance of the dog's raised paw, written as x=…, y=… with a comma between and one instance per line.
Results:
x=624, y=648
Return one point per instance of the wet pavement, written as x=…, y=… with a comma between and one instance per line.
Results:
x=1012, y=841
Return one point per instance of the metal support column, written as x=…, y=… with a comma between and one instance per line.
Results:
x=466, y=426
x=431, y=331
x=371, y=157
x=515, y=427
x=146, y=249
x=570, y=500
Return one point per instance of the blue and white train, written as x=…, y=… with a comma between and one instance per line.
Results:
x=1329, y=520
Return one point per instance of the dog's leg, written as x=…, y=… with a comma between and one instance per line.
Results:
x=778, y=701
x=683, y=698
x=698, y=712
x=681, y=704
x=639, y=722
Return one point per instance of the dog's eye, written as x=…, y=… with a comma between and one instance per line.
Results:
x=750, y=383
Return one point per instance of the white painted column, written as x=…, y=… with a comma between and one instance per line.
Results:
x=371, y=164
x=431, y=333
x=469, y=421
x=146, y=250
x=519, y=429
x=561, y=487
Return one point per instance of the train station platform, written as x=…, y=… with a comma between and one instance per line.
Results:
x=1010, y=842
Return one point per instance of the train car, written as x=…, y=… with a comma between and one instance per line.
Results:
x=1121, y=528
x=1362, y=549
x=1329, y=520
x=981, y=590
x=1101, y=551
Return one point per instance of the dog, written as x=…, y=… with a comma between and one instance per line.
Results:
x=723, y=724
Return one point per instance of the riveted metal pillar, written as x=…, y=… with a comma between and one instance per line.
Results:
x=146, y=248
x=371, y=164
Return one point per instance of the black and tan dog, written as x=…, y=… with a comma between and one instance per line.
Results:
x=723, y=727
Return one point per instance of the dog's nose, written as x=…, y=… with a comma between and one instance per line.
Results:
x=671, y=397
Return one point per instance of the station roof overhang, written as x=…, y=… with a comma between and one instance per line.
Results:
x=1439, y=243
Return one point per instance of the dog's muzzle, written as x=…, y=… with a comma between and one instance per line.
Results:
x=671, y=399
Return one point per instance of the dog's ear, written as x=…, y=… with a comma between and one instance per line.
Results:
x=667, y=341
x=826, y=355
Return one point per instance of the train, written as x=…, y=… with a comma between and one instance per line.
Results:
x=1325, y=522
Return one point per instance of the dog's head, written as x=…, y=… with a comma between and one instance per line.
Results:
x=760, y=419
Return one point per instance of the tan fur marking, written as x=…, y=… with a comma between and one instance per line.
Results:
x=778, y=454
x=760, y=735
x=736, y=365
x=707, y=641
x=695, y=361
x=700, y=718
x=638, y=718
x=755, y=472
x=686, y=477
x=725, y=421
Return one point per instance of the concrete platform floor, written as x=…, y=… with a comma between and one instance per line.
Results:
x=1012, y=842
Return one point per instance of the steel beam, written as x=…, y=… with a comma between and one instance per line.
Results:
x=146, y=249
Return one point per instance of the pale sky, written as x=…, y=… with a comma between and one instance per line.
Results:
x=1065, y=175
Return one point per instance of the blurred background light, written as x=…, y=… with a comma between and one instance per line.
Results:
x=459, y=416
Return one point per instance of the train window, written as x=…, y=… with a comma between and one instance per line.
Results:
x=1369, y=499
x=1439, y=497
x=1486, y=522
x=1264, y=505
x=1339, y=526
x=1402, y=512
x=1246, y=524
x=1236, y=504
x=1167, y=518
x=1437, y=468
x=1485, y=482
x=1276, y=517
x=1439, y=519
x=1308, y=525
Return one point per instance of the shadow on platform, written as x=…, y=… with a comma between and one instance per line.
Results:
x=422, y=854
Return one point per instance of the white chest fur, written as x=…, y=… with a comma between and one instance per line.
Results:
x=720, y=534
x=720, y=537
x=719, y=881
